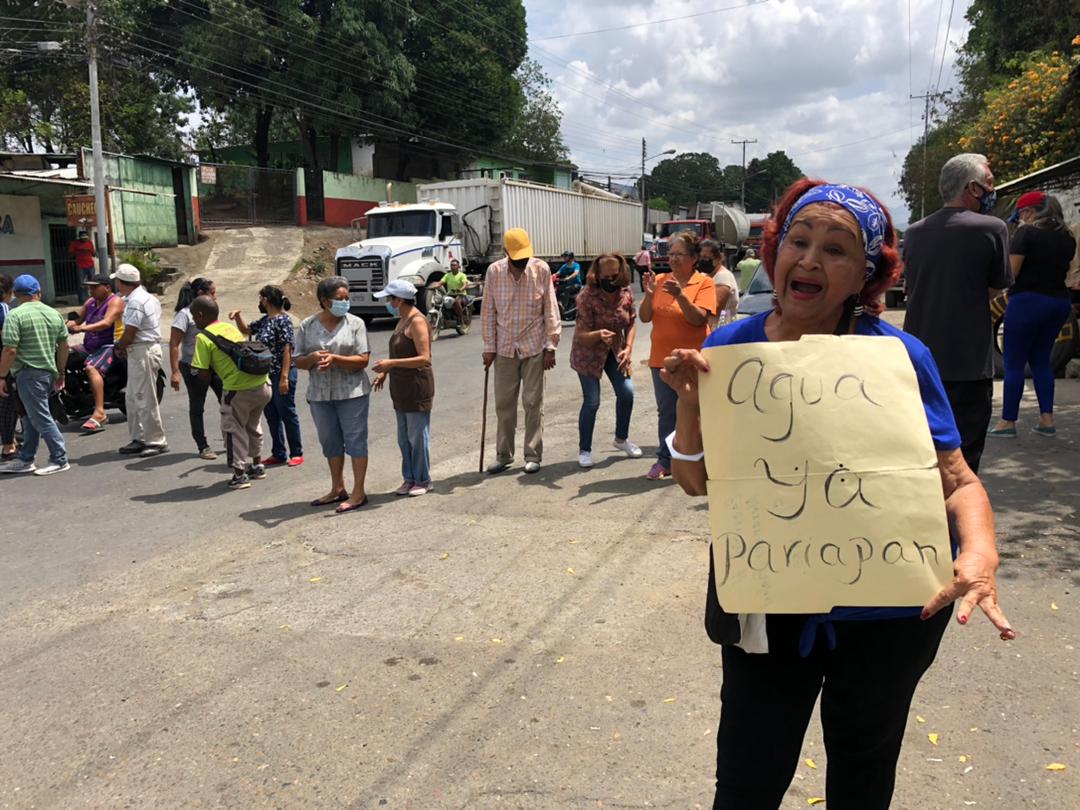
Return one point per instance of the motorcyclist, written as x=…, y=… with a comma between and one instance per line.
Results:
x=569, y=273
x=97, y=321
x=455, y=283
x=567, y=280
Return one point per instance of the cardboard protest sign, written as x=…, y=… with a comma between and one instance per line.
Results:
x=823, y=482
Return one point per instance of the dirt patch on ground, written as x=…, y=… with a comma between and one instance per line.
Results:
x=320, y=246
x=189, y=260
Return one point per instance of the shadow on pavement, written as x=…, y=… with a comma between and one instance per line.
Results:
x=189, y=495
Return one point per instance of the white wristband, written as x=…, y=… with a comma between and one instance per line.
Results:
x=675, y=454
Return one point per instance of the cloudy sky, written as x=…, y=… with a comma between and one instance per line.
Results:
x=827, y=81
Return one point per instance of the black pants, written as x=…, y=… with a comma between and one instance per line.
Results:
x=8, y=416
x=866, y=685
x=196, y=390
x=972, y=405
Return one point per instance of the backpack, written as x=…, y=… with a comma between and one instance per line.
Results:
x=250, y=356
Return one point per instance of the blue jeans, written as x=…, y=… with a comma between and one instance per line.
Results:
x=590, y=391
x=666, y=400
x=34, y=385
x=282, y=418
x=1032, y=323
x=414, y=441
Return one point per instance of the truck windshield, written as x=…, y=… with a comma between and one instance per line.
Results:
x=669, y=228
x=401, y=223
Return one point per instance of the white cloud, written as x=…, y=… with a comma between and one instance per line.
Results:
x=798, y=75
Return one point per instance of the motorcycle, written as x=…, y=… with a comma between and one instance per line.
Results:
x=566, y=297
x=442, y=311
x=77, y=398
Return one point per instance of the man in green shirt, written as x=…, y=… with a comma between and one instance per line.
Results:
x=36, y=352
x=455, y=283
x=244, y=395
x=747, y=267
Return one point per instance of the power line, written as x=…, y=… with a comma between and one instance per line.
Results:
x=465, y=10
x=933, y=51
x=435, y=97
x=945, y=47
x=747, y=4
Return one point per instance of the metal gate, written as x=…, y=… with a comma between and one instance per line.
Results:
x=236, y=196
x=65, y=275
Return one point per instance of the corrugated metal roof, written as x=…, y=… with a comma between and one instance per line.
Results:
x=43, y=177
x=1063, y=169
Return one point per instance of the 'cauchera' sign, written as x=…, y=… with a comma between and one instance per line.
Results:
x=824, y=489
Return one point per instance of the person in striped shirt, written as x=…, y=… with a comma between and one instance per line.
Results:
x=520, y=326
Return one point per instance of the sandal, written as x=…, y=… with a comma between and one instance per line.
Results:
x=345, y=508
x=341, y=496
x=92, y=425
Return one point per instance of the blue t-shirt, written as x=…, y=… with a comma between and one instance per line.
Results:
x=939, y=416
x=568, y=270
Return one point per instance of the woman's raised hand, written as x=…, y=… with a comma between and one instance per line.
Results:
x=680, y=371
x=648, y=278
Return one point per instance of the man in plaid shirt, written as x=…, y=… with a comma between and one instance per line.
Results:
x=519, y=322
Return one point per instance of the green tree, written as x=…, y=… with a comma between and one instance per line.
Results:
x=767, y=178
x=536, y=132
x=44, y=100
x=475, y=50
x=919, y=183
x=687, y=178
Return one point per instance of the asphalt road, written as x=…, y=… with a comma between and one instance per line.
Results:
x=517, y=641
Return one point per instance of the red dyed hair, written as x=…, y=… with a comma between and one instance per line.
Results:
x=884, y=277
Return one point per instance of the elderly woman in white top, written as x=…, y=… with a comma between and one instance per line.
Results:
x=333, y=346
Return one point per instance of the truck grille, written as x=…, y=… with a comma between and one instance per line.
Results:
x=365, y=275
x=661, y=248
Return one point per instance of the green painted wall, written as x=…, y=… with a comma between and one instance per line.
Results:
x=349, y=187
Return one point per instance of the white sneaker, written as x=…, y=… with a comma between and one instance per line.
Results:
x=628, y=447
x=51, y=468
x=17, y=466
x=584, y=460
x=532, y=467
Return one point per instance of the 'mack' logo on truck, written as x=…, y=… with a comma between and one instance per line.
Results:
x=366, y=274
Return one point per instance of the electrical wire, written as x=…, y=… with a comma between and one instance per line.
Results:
x=445, y=90
x=748, y=4
x=945, y=47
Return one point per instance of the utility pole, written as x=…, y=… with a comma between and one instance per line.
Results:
x=644, y=201
x=100, y=202
x=742, y=192
x=929, y=98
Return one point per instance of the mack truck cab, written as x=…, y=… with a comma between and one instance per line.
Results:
x=415, y=242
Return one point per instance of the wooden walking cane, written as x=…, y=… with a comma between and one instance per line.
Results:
x=483, y=418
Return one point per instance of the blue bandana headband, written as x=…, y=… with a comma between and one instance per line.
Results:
x=862, y=206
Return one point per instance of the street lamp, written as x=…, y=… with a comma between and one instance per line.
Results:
x=644, y=199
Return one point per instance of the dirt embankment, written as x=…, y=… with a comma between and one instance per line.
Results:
x=320, y=246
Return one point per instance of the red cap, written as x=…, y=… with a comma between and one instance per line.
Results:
x=1030, y=199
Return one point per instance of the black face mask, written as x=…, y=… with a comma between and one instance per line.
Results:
x=704, y=265
x=608, y=285
x=519, y=264
x=262, y=308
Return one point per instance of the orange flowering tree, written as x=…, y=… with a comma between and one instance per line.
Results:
x=1033, y=120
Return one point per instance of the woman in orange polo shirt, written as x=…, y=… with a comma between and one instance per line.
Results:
x=679, y=305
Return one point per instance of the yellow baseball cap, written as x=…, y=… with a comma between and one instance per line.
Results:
x=517, y=244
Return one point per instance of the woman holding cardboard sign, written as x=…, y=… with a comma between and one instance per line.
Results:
x=831, y=254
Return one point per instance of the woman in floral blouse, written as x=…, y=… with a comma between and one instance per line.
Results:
x=603, y=344
x=275, y=330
